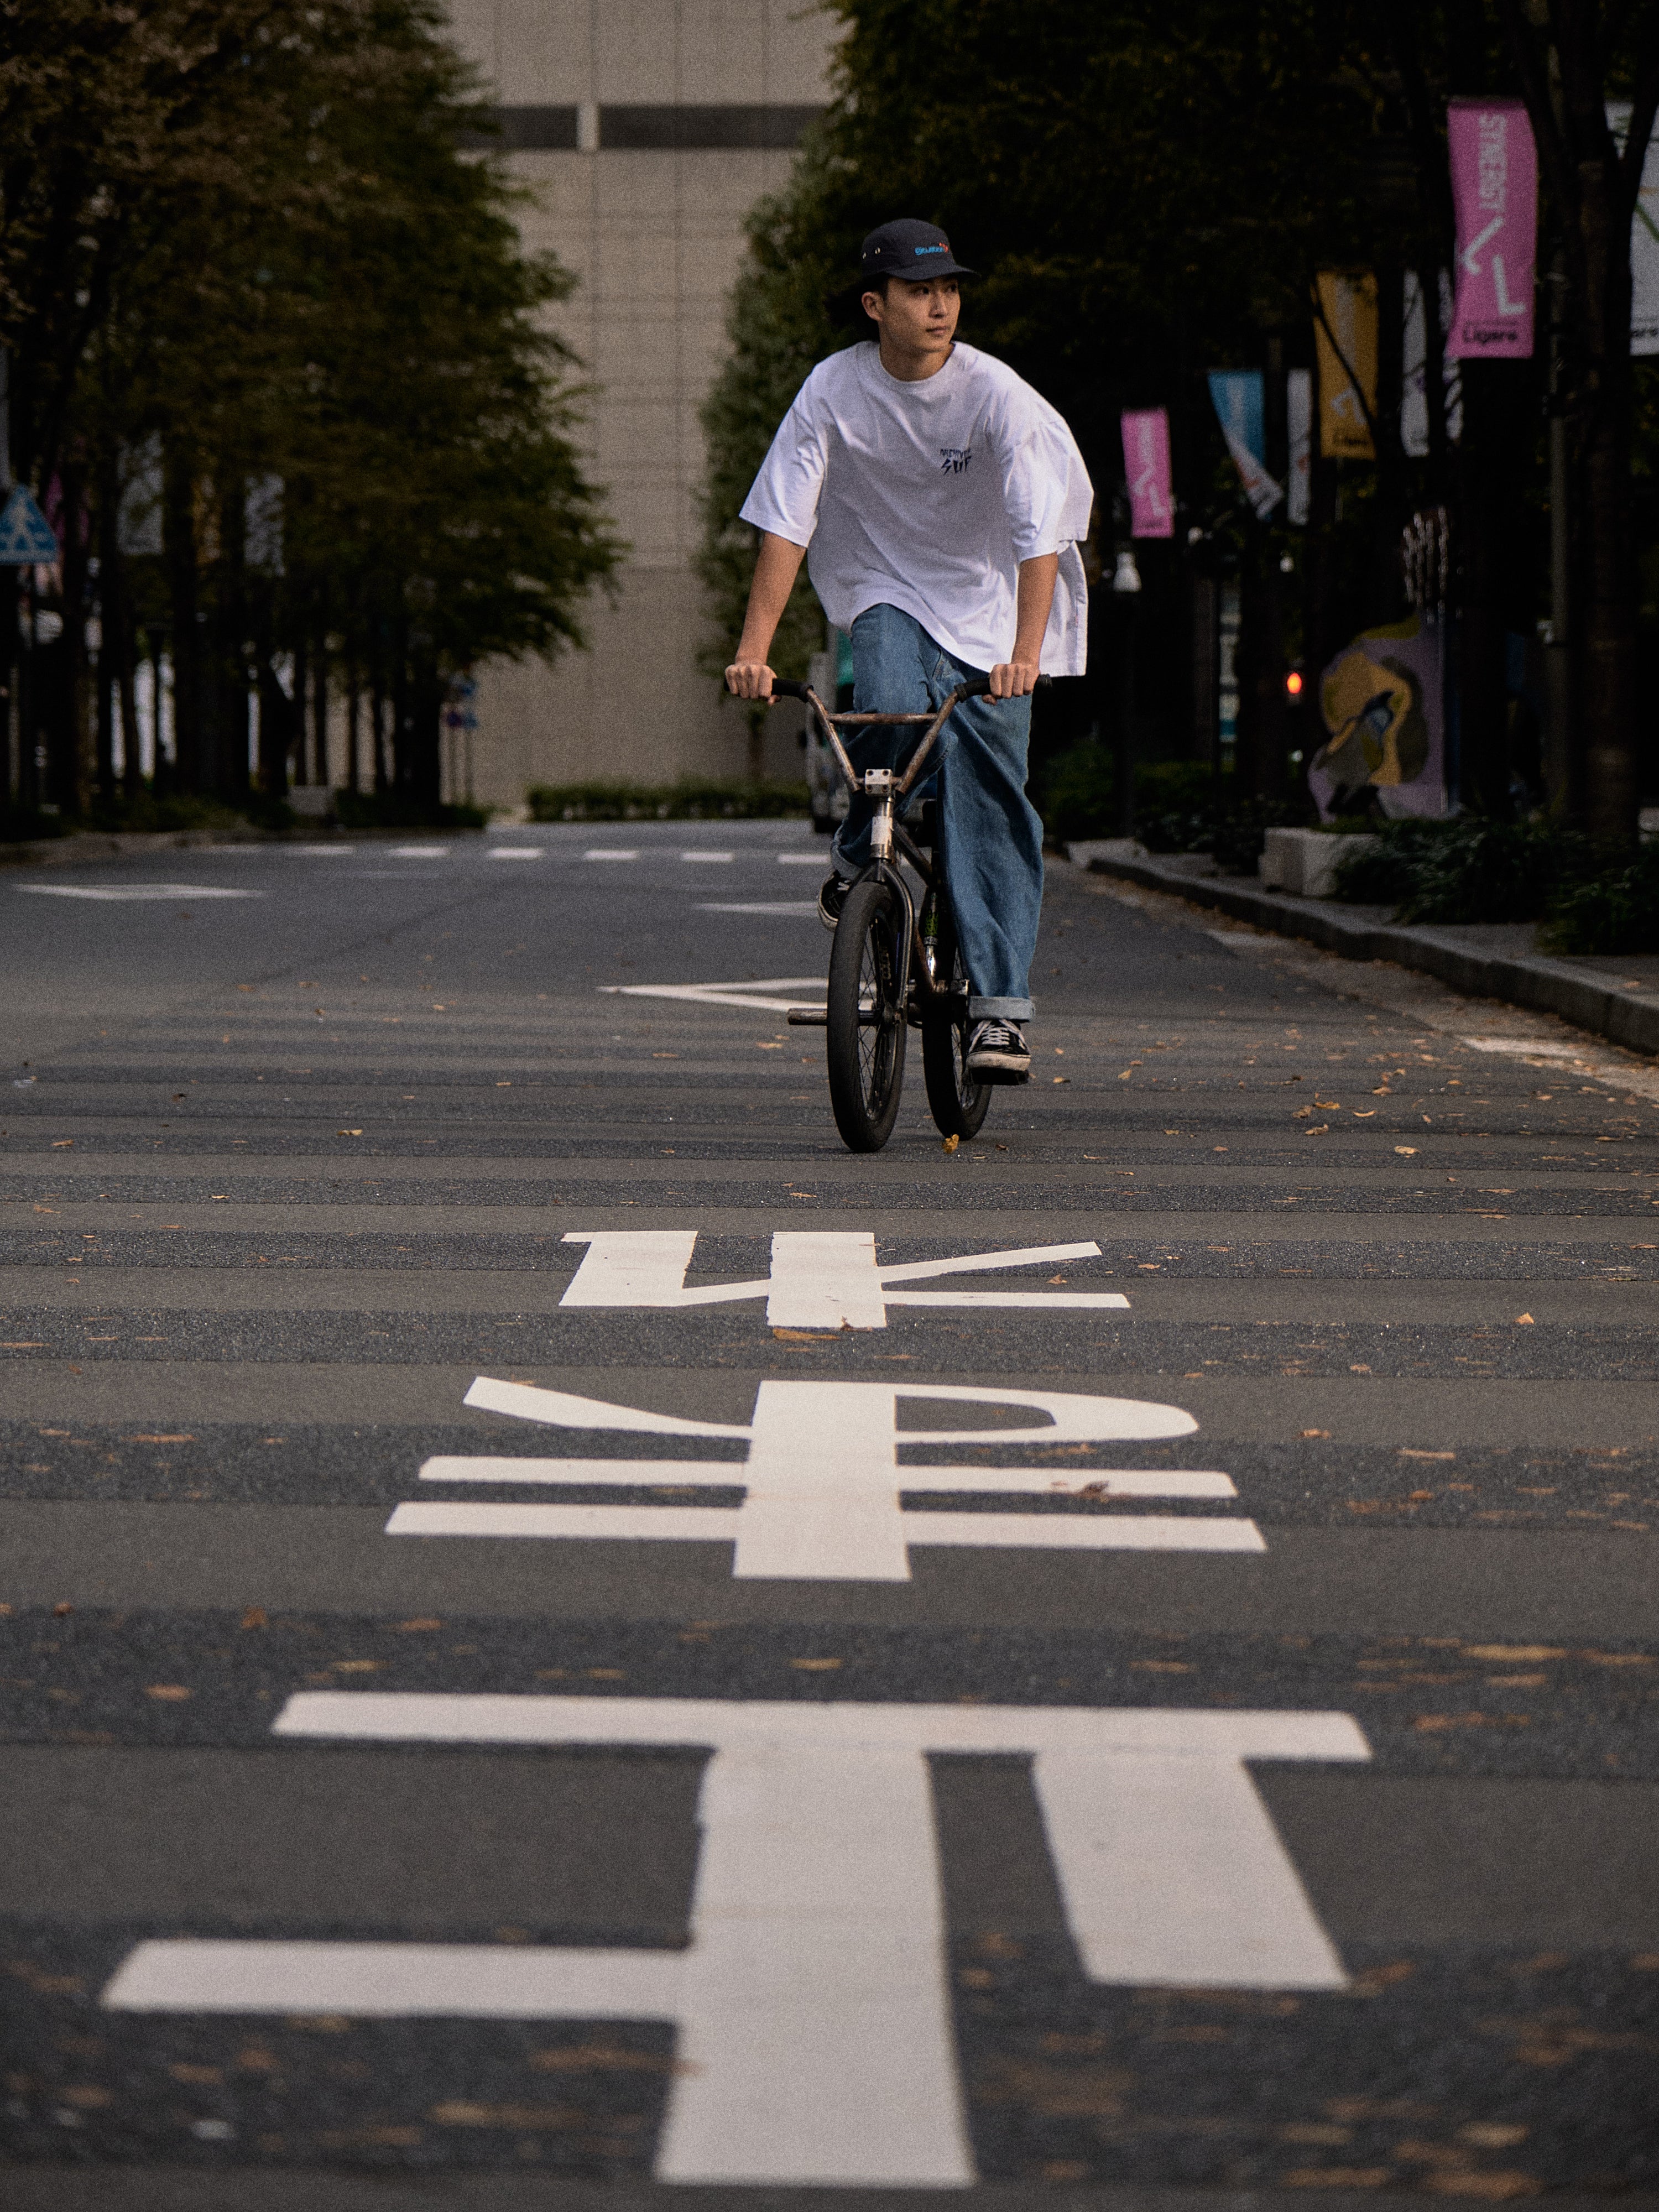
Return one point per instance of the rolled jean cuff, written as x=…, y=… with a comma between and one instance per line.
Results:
x=1000, y=1010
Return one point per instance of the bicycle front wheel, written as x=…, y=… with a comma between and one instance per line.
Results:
x=864, y=1031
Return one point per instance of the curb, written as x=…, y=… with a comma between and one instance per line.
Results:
x=1549, y=986
x=111, y=844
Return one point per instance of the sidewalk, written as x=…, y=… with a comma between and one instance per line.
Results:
x=1617, y=999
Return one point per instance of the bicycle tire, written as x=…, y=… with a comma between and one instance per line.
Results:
x=865, y=1058
x=958, y=1104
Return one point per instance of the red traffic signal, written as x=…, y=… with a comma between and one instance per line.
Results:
x=1293, y=683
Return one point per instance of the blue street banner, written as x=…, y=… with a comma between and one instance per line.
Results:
x=27, y=540
x=1237, y=394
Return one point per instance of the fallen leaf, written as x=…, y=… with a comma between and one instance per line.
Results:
x=806, y=1335
x=254, y=1617
x=1525, y=1321
x=950, y=1144
x=1316, y=1433
x=62, y=1144
x=351, y=1133
x=1336, y=2177
x=1406, y=1152
x=815, y=1666
x=169, y=1693
x=1506, y=1652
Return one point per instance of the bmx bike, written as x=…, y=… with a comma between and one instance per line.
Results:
x=896, y=964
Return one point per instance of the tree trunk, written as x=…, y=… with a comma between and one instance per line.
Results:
x=302, y=686
x=1603, y=523
x=76, y=766
x=112, y=623
x=231, y=673
x=183, y=591
x=319, y=773
x=1564, y=67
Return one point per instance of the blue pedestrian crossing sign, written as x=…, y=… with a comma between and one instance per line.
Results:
x=26, y=536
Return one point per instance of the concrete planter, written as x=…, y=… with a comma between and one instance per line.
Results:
x=1303, y=861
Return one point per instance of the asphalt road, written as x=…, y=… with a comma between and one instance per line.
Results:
x=491, y=1721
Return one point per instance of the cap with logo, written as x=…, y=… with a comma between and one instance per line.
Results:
x=912, y=250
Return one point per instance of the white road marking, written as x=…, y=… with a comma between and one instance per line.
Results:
x=713, y=1524
x=323, y=851
x=760, y=906
x=803, y=860
x=1038, y=1481
x=516, y=852
x=135, y=891
x=710, y=859
x=420, y=852
x=823, y=1485
x=606, y=852
x=812, y=2006
x=819, y=1280
x=728, y=994
x=1617, y=1074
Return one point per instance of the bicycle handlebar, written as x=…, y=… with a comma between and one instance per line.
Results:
x=977, y=687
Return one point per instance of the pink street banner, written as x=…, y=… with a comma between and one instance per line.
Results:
x=1494, y=173
x=1147, y=466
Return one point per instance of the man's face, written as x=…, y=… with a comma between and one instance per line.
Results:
x=916, y=318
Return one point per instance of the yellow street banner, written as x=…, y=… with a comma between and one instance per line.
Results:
x=1345, y=346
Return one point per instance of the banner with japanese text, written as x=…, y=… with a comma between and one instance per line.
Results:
x=1237, y=397
x=1345, y=348
x=1146, y=470
x=1494, y=175
x=1644, y=236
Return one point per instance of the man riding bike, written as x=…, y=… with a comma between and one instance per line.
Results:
x=942, y=501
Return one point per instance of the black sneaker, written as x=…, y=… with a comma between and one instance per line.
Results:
x=997, y=1053
x=831, y=899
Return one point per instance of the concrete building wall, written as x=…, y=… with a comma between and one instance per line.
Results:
x=594, y=96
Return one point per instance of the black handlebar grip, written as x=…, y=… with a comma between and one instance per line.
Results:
x=979, y=685
x=784, y=687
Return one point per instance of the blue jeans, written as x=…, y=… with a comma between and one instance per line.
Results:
x=991, y=836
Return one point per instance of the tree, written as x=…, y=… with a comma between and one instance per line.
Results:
x=320, y=321
x=1570, y=55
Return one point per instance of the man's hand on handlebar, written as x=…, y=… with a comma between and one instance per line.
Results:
x=1010, y=679
x=750, y=679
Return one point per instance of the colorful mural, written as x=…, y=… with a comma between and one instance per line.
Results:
x=1383, y=701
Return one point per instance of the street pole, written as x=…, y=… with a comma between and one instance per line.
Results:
x=1557, y=649
x=1126, y=590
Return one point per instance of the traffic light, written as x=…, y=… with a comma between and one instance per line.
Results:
x=1293, y=686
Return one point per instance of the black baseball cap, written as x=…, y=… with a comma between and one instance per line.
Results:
x=915, y=251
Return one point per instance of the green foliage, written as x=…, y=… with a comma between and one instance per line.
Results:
x=398, y=809
x=1614, y=912
x=260, y=265
x=27, y=825
x=691, y=801
x=1179, y=806
x=1075, y=792
x=1468, y=869
x=1385, y=874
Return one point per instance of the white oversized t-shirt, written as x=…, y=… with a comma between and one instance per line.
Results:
x=927, y=496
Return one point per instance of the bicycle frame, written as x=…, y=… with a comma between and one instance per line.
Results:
x=886, y=787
